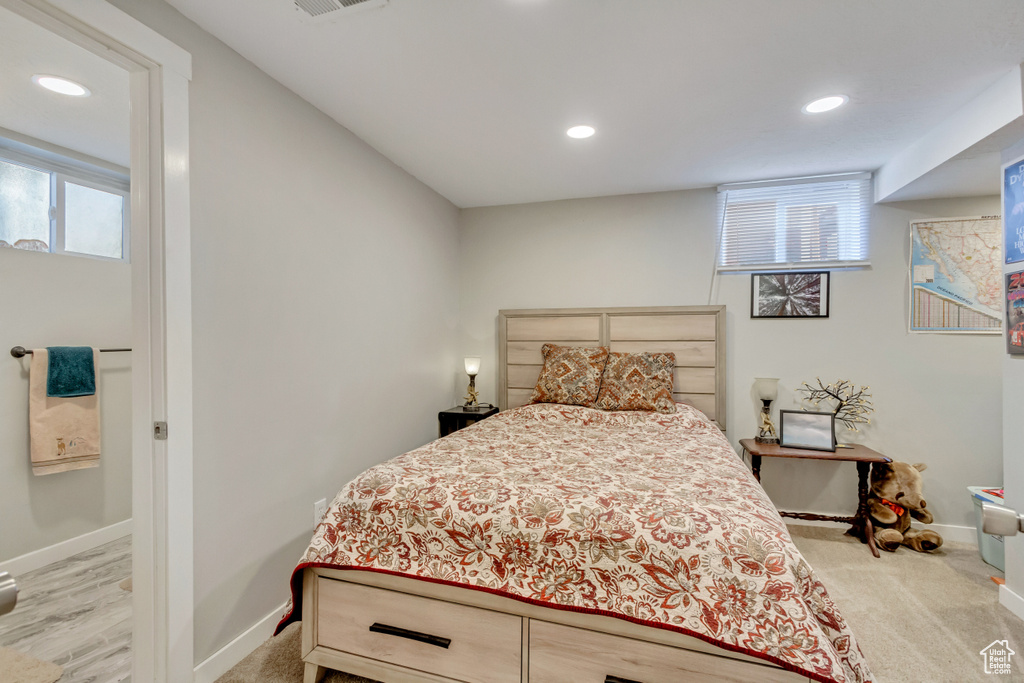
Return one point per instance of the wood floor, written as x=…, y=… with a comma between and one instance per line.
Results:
x=73, y=613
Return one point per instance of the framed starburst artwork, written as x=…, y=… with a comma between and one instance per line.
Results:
x=789, y=295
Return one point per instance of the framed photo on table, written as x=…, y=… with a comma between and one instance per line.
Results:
x=789, y=295
x=809, y=430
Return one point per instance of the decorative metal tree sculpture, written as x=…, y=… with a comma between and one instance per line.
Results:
x=853, y=403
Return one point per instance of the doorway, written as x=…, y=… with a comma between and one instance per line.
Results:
x=161, y=360
x=65, y=243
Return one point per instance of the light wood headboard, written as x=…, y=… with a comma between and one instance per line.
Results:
x=695, y=334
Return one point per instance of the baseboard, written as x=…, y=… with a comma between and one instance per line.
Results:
x=1011, y=601
x=221, y=661
x=949, y=532
x=959, y=534
x=65, y=549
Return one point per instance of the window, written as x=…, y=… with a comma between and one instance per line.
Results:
x=795, y=223
x=24, y=207
x=59, y=205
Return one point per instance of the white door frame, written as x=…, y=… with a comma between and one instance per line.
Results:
x=159, y=71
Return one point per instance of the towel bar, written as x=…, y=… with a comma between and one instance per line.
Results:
x=21, y=351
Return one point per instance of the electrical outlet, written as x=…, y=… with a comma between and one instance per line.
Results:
x=319, y=510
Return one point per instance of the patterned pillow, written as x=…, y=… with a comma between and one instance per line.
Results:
x=638, y=381
x=571, y=375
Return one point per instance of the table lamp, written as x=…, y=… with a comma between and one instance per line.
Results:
x=472, y=368
x=767, y=389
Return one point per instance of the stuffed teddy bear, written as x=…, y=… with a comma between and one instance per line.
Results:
x=894, y=498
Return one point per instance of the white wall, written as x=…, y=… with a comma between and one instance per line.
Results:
x=937, y=397
x=325, y=312
x=57, y=300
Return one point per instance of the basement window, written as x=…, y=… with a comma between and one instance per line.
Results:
x=62, y=206
x=795, y=223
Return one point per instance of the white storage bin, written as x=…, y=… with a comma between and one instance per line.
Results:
x=990, y=547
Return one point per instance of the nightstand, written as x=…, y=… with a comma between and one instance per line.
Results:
x=454, y=419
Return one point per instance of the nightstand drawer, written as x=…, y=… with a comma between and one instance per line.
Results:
x=456, y=641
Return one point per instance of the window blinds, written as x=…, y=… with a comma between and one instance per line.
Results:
x=795, y=223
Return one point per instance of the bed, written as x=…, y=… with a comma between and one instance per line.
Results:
x=565, y=543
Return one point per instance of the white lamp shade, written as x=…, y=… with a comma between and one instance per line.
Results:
x=472, y=365
x=767, y=388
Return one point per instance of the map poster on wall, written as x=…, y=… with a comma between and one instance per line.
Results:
x=956, y=275
x=1013, y=210
x=1015, y=313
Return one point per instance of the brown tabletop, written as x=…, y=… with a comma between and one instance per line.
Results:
x=855, y=453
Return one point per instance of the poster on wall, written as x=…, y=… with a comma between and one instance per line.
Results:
x=1015, y=313
x=789, y=295
x=956, y=275
x=1013, y=210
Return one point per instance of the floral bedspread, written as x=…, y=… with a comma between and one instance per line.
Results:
x=643, y=516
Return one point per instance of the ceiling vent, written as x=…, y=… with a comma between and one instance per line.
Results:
x=330, y=10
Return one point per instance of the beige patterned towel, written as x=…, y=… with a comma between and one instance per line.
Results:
x=65, y=432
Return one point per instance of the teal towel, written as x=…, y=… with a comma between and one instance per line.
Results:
x=71, y=372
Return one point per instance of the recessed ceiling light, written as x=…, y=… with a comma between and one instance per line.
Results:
x=825, y=104
x=580, y=131
x=61, y=85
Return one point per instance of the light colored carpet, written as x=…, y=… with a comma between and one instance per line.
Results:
x=919, y=618
x=20, y=668
x=278, y=660
x=126, y=585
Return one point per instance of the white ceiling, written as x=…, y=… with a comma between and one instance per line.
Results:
x=473, y=97
x=973, y=172
x=96, y=126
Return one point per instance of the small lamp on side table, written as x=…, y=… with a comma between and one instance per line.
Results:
x=472, y=397
x=767, y=389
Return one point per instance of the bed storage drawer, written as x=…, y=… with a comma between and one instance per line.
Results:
x=455, y=641
x=563, y=653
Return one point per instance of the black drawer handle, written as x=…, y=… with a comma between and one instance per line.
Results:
x=415, y=635
x=616, y=679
